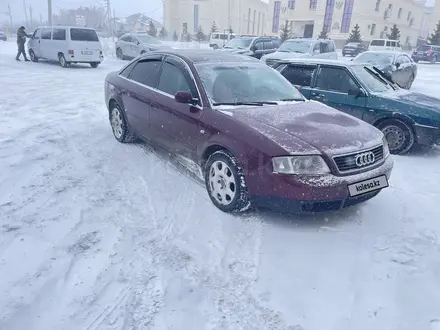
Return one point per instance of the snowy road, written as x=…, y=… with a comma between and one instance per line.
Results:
x=99, y=235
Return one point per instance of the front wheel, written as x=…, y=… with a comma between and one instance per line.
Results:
x=399, y=135
x=225, y=183
x=120, y=54
x=433, y=60
x=94, y=64
x=33, y=57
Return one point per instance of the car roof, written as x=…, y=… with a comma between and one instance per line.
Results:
x=200, y=56
x=63, y=27
x=384, y=52
x=312, y=61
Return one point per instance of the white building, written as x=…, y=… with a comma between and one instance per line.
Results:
x=243, y=16
x=307, y=18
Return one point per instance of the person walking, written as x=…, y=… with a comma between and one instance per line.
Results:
x=21, y=40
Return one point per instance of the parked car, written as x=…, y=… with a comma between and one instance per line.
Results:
x=218, y=40
x=66, y=44
x=398, y=66
x=256, y=139
x=305, y=48
x=385, y=44
x=365, y=92
x=427, y=53
x=3, y=35
x=252, y=46
x=353, y=49
x=131, y=45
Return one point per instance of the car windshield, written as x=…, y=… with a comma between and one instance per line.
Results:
x=371, y=80
x=145, y=38
x=235, y=83
x=239, y=43
x=295, y=46
x=376, y=58
x=423, y=48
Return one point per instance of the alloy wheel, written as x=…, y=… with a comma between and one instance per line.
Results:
x=117, y=123
x=222, y=183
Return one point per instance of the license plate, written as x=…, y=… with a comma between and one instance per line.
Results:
x=87, y=52
x=366, y=186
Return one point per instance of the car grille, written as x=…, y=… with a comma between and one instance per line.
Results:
x=349, y=162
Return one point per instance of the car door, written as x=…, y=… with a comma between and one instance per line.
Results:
x=59, y=43
x=140, y=93
x=332, y=86
x=175, y=124
x=300, y=76
x=126, y=45
x=45, y=43
x=34, y=43
x=135, y=46
x=268, y=46
x=403, y=70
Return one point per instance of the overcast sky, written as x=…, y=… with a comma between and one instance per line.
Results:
x=152, y=8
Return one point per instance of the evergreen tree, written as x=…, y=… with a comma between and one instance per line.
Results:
x=175, y=36
x=285, y=32
x=188, y=37
x=434, y=39
x=152, y=31
x=214, y=27
x=230, y=30
x=200, y=36
x=323, y=34
x=394, y=33
x=355, y=35
x=163, y=33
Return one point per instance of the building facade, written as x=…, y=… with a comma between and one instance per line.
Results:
x=307, y=18
x=242, y=16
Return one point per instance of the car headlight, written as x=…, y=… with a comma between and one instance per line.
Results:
x=386, y=148
x=311, y=165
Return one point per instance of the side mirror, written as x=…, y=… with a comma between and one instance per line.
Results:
x=316, y=52
x=184, y=97
x=352, y=59
x=397, y=65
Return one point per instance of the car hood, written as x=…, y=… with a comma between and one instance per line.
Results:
x=307, y=127
x=153, y=47
x=235, y=50
x=285, y=55
x=413, y=102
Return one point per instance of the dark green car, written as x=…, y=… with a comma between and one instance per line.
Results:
x=405, y=118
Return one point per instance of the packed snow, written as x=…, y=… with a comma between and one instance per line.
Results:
x=95, y=234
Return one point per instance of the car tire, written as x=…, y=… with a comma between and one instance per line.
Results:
x=225, y=182
x=119, y=54
x=433, y=60
x=33, y=57
x=94, y=65
x=215, y=47
x=63, y=61
x=121, y=130
x=416, y=61
x=400, y=136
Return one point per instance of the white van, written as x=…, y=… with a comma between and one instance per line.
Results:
x=66, y=44
x=385, y=44
x=218, y=40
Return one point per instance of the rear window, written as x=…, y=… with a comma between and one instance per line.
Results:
x=83, y=35
x=377, y=43
x=423, y=48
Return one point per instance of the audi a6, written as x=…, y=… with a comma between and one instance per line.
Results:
x=256, y=139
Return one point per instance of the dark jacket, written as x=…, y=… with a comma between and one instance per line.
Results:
x=21, y=36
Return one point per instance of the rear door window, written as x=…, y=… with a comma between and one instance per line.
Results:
x=146, y=72
x=59, y=34
x=268, y=44
x=126, y=38
x=377, y=43
x=46, y=34
x=299, y=75
x=77, y=34
x=317, y=47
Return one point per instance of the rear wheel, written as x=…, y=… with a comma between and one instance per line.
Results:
x=63, y=61
x=120, y=129
x=94, y=64
x=399, y=135
x=215, y=47
x=33, y=57
x=225, y=182
x=433, y=60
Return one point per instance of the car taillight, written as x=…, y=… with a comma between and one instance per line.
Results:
x=429, y=52
x=70, y=51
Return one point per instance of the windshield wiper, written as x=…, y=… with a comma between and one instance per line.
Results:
x=291, y=100
x=383, y=75
x=380, y=76
x=246, y=103
x=227, y=47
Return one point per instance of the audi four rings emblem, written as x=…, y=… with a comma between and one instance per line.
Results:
x=365, y=159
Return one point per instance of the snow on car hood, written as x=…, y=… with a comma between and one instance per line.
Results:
x=319, y=126
x=418, y=100
x=285, y=55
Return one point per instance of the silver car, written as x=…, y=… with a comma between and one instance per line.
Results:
x=131, y=45
x=304, y=48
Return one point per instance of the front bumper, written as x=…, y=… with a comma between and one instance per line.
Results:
x=427, y=135
x=298, y=194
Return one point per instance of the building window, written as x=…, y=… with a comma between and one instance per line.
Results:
x=409, y=16
x=196, y=18
x=377, y=5
x=373, y=29
x=249, y=21
x=291, y=4
x=276, y=16
x=263, y=25
x=253, y=23
x=328, y=15
x=259, y=22
x=346, y=17
x=313, y=4
x=399, y=14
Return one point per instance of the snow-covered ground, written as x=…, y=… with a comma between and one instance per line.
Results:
x=99, y=235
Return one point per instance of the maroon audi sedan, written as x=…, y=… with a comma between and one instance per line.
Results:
x=257, y=140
